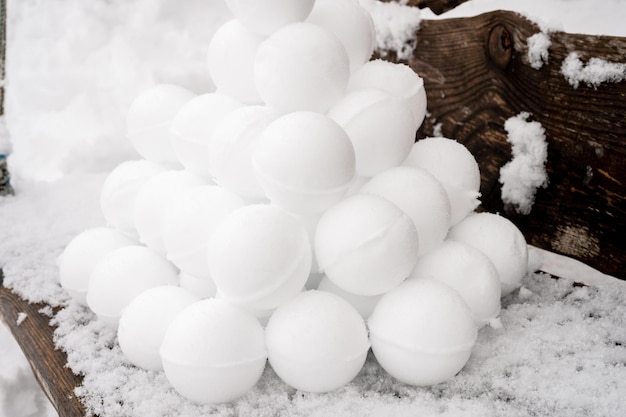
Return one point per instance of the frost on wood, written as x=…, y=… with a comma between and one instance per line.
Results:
x=526, y=171
x=594, y=73
x=396, y=26
x=538, y=46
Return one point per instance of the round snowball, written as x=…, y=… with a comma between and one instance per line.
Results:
x=81, y=255
x=193, y=127
x=395, y=78
x=305, y=162
x=380, y=127
x=189, y=222
x=259, y=257
x=421, y=196
x=234, y=142
x=120, y=188
x=213, y=352
x=455, y=167
x=468, y=271
x=265, y=16
x=361, y=303
x=200, y=287
x=352, y=25
x=301, y=67
x=233, y=73
x=122, y=275
x=152, y=202
x=422, y=332
x=366, y=245
x=149, y=118
x=317, y=342
x=502, y=242
x=144, y=321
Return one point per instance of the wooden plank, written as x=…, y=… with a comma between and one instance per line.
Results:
x=477, y=75
x=35, y=337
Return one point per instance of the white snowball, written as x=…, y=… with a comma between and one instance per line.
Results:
x=120, y=188
x=420, y=196
x=396, y=79
x=190, y=220
x=301, y=67
x=317, y=342
x=81, y=255
x=366, y=244
x=455, y=167
x=352, y=25
x=144, y=321
x=234, y=142
x=213, y=352
x=361, y=303
x=468, y=271
x=502, y=242
x=305, y=162
x=149, y=118
x=422, y=332
x=380, y=127
x=123, y=274
x=259, y=257
x=233, y=72
x=152, y=202
x=200, y=287
x=265, y=16
x=193, y=127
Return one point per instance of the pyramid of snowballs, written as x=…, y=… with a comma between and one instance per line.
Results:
x=290, y=218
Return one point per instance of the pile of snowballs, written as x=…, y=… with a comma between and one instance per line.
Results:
x=290, y=216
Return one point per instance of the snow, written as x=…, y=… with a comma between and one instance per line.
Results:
x=560, y=350
x=526, y=172
x=594, y=73
x=538, y=45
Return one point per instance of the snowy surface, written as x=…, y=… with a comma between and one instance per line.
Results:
x=560, y=351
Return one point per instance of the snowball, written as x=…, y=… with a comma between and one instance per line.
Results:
x=200, y=287
x=366, y=244
x=301, y=67
x=420, y=196
x=81, y=255
x=468, y=271
x=305, y=162
x=266, y=16
x=455, y=167
x=422, y=332
x=230, y=153
x=123, y=274
x=317, y=342
x=363, y=304
x=352, y=25
x=120, y=188
x=380, y=127
x=152, y=202
x=259, y=257
x=193, y=126
x=213, y=352
x=188, y=223
x=144, y=321
x=149, y=118
x=233, y=72
x=397, y=79
x=502, y=242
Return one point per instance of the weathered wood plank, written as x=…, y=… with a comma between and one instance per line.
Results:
x=477, y=75
x=34, y=336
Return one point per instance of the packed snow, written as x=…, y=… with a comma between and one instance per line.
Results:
x=556, y=335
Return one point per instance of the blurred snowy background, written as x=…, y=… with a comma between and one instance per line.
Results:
x=74, y=66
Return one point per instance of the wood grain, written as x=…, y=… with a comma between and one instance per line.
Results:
x=436, y=6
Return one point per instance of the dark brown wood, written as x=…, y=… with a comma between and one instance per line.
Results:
x=477, y=75
x=35, y=337
x=437, y=6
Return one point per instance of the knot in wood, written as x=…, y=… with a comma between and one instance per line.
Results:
x=500, y=46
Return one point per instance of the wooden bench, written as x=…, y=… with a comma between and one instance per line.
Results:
x=476, y=77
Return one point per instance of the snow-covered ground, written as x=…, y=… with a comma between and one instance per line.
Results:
x=73, y=67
